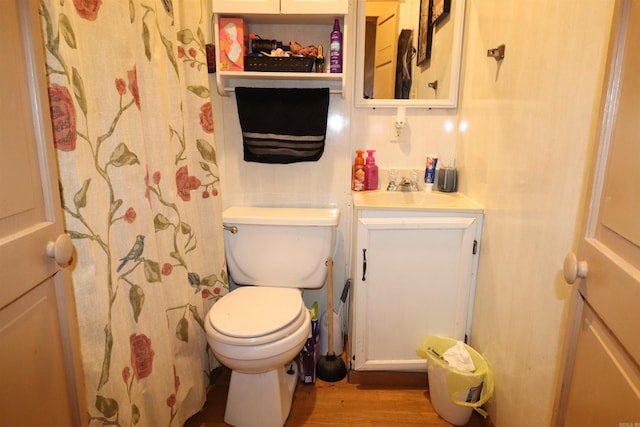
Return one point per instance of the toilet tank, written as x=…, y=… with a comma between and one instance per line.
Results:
x=284, y=247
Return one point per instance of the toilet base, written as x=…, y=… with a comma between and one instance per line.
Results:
x=260, y=400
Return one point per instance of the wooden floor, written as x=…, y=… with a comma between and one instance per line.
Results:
x=339, y=404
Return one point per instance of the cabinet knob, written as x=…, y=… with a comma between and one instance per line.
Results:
x=61, y=250
x=573, y=268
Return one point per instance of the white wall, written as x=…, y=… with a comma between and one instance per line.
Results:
x=311, y=184
x=317, y=184
x=523, y=156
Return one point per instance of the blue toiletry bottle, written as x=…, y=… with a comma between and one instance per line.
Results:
x=371, y=171
x=335, y=49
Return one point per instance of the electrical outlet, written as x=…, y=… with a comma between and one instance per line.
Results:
x=396, y=130
x=394, y=136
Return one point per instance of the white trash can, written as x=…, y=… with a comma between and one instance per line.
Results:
x=455, y=393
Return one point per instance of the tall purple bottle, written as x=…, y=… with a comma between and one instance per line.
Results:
x=335, y=49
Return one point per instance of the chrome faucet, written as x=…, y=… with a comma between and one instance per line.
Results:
x=405, y=184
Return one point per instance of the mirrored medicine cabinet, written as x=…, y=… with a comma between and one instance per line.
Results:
x=408, y=53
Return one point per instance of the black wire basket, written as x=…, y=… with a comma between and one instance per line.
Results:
x=284, y=64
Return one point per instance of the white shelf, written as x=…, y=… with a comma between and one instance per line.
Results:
x=226, y=81
x=279, y=75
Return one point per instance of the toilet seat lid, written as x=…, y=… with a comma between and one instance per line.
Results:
x=252, y=312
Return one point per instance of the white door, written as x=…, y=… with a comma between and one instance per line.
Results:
x=384, y=78
x=36, y=304
x=601, y=382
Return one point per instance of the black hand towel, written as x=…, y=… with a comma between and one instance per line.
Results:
x=282, y=125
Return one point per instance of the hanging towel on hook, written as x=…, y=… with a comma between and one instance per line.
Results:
x=403, y=64
x=282, y=125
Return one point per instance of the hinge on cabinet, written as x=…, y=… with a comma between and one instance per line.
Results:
x=475, y=247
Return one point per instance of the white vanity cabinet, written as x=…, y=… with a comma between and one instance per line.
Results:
x=302, y=7
x=413, y=275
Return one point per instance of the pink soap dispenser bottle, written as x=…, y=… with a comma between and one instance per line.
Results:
x=371, y=171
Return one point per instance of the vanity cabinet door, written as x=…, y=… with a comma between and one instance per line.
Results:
x=292, y=7
x=414, y=276
x=340, y=7
x=246, y=6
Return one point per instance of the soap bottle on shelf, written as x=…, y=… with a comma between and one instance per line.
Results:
x=371, y=171
x=358, y=173
x=320, y=60
x=335, y=49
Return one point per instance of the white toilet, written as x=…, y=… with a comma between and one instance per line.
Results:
x=257, y=330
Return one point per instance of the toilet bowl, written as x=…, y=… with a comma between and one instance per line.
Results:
x=258, y=329
x=255, y=329
x=255, y=332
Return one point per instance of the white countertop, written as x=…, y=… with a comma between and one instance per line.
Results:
x=428, y=201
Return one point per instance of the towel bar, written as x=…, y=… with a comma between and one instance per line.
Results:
x=331, y=91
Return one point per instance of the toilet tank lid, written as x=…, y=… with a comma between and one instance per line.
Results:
x=281, y=216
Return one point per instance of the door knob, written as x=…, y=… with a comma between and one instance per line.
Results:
x=61, y=250
x=573, y=268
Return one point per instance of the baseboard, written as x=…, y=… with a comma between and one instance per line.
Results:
x=389, y=378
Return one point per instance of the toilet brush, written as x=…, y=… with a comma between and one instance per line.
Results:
x=330, y=367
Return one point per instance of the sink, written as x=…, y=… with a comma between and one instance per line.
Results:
x=414, y=200
x=402, y=197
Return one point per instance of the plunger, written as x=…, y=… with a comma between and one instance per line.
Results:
x=330, y=367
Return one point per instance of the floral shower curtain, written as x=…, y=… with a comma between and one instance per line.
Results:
x=131, y=111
